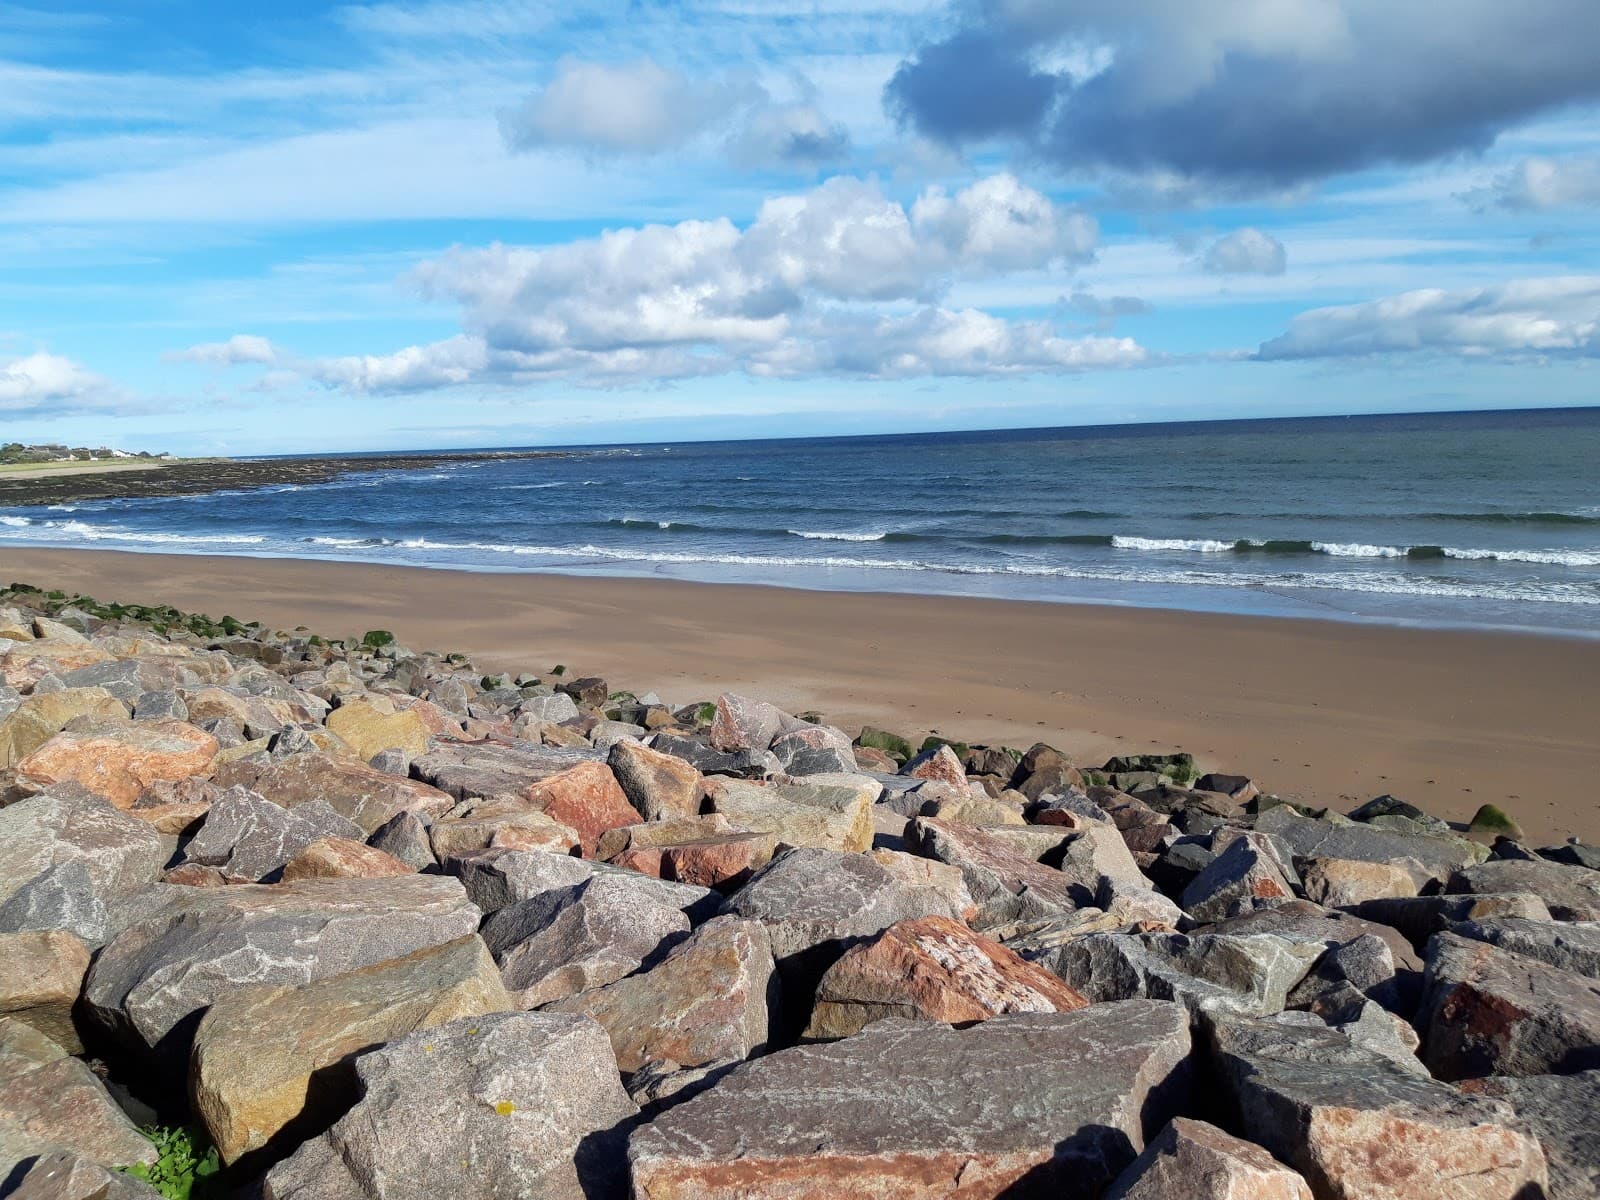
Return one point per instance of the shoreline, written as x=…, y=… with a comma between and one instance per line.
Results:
x=1328, y=712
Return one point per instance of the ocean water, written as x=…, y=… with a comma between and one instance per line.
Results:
x=1479, y=520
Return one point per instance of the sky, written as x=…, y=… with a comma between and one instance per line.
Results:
x=296, y=227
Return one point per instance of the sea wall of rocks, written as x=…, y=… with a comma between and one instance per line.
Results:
x=386, y=927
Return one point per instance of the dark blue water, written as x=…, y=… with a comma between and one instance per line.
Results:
x=1486, y=519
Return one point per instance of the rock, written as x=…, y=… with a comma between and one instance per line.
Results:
x=1246, y=873
x=1418, y=918
x=174, y=806
x=159, y=706
x=550, y=709
x=248, y=838
x=650, y=835
x=66, y=1176
x=585, y=936
x=481, y=769
x=743, y=724
x=913, y=871
x=1024, y=1104
x=1560, y=1110
x=1310, y=838
x=477, y=824
x=342, y=858
x=817, y=903
x=814, y=750
x=586, y=799
x=591, y=691
x=1190, y=1160
x=352, y=789
x=742, y=765
x=891, y=744
x=1570, y=893
x=61, y=898
x=707, y=1002
x=658, y=785
x=1487, y=1011
x=1300, y=920
x=1247, y=974
x=999, y=867
x=1356, y=1125
x=41, y=975
x=1566, y=945
x=151, y=982
x=57, y=1102
x=875, y=761
x=36, y=719
x=509, y=1105
x=814, y=815
x=1573, y=853
x=940, y=763
x=368, y=730
x=726, y=862
x=1490, y=821
x=118, y=758
x=971, y=810
x=23, y=664
x=1239, y=788
x=269, y=1062
x=933, y=969
x=405, y=837
x=119, y=852
x=1340, y=882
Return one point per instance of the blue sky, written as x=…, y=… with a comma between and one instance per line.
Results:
x=308, y=226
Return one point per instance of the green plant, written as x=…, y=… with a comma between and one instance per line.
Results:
x=185, y=1160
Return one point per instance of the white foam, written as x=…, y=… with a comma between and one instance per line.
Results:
x=1200, y=545
x=826, y=536
x=15, y=522
x=1358, y=550
x=1546, y=558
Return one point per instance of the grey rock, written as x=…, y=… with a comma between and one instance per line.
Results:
x=1242, y=876
x=63, y=1175
x=497, y=879
x=743, y=724
x=1570, y=893
x=1357, y=1125
x=66, y=824
x=1190, y=1160
x=742, y=765
x=516, y=1104
x=1568, y=945
x=1248, y=974
x=814, y=750
x=406, y=837
x=659, y=785
x=569, y=940
x=484, y=769
x=1418, y=918
x=1311, y=838
x=1560, y=1109
x=1002, y=870
x=151, y=982
x=606, y=734
x=1041, y=1104
x=248, y=838
x=157, y=706
x=63, y=897
x=1487, y=1011
x=552, y=709
x=391, y=762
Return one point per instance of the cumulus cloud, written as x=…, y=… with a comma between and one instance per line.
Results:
x=41, y=382
x=1253, y=92
x=1246, y=251
x=1541, y=183
x=646, y=108
x=841, y=279
x=239, y=350
x=1555, y=316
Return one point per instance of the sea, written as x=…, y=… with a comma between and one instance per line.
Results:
x=1477, y=520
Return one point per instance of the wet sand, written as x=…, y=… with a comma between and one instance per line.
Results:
x=1329, y=713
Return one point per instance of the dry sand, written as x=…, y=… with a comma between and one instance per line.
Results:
x=1330, y=713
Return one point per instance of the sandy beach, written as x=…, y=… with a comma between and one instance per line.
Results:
x=1329, y=713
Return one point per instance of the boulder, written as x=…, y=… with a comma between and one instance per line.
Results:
x=270, y=1062
x=118, y=851
x=932, y=969
x=823, y=816
x=1342, y=882
x=1001, y=870
x=707, y=1002
x=1357, y=1125
x=117, y=757
x=580, y=937
x=1560, y=1109
x=1240, y=877
x=725, y=862
x=513, y=1104
x=405, y=837
x=62, y=898
x=498, y=878
x=1190, y=1160
x=814, y=750
x=478, y=824
x=1570, y=893
x=939, y=763
x=816, y=904
x=41, y=975
x=1566, y=945
x=62, y=1175
x=586, y=799
x=49, y=1101
x=658, y=785
x=651, y=835
x=342, y=858
x=248, y=838
x=473, y=770
x=355, y=791
x=151, y=982
x=1041, y=1104
x=743, y=724
x=1487, y=1011
x=1309, y=837
x=1247, y=974
x=1418, y=918
x=23, y=664
x=36, y=719
x=368, y=730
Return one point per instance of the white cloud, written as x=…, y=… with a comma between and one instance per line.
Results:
x=1246, y=251
x=1541, y=183
x=1555, y=316
x=41, y=380
x=841, y=279
x=239, y=350
x=789, y=135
